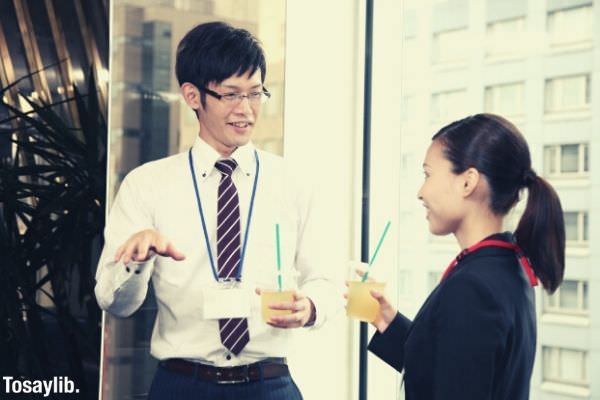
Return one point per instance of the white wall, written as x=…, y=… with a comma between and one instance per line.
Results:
x=320, y=135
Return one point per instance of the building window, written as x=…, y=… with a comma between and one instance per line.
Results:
x=571, y=298
x=570, y=26
x=569, y=93
x=505, y=99
x=411, y=49
x=565, y=366
x=408, y=108
x=407, y=161
x=448, y=106
x=566, y=160
x=576, y=228
x=505, y=37
x=433, y=279
x=275, y=108
x=404, y=283
x=450, y=46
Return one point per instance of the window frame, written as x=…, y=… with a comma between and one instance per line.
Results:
x=582, y=305
x=553, y=92
x=436, y=113
x=556, y=160
x=583, y=219
x=509, y=51
x=461, y=58
x=495, y=92
x=584, y=382
x=557, y=39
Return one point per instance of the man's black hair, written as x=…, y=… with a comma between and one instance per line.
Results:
x=215, y=51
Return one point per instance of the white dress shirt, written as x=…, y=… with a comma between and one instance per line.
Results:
x=160, y=195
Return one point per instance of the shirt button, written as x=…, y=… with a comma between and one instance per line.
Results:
x=228, y=357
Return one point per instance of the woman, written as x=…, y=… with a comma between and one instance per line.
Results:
x=475, y=336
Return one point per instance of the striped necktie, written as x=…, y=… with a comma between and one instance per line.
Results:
x=234, y=331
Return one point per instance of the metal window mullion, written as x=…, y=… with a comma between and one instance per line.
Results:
x=580, y=295
x=32, y=53
x=580, y=227
x=583, y=295
x=66, y=68
x=7, y=70
x=586, y=152
x=556, y=94
x=587, y=94
x=7, y=76
x=559, y=159
x=559, y=352
x=584, y=379
x=91, y=50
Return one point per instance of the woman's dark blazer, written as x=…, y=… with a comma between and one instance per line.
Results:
x=473, y=338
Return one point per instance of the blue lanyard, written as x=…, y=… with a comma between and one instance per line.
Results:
x=210, y=256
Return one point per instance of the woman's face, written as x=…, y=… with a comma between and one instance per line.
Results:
x=442, y=192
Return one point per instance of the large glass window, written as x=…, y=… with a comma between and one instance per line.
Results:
x=450, y=46
x=447, y=106
x=433, y=279
x=570, y=93
x=570, y=298
x=531, y=64
x=504, y=38
x=566, y=160
x=404, y=283
x=570, y=26
x=505, y=99
x=80, y=63
x=565, y=366
x=16, y=49
x=576, y=228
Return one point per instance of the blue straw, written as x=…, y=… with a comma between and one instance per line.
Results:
x=387, y=226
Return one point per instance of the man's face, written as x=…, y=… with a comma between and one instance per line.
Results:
x=227, y=125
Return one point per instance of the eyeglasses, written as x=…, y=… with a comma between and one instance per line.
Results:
x=236, y=98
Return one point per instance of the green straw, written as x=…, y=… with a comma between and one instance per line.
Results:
x=387, y=226
x=278, y=257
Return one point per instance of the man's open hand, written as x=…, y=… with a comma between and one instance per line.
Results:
x=139, y=247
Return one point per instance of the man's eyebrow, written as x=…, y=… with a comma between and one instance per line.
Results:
x=235, y=87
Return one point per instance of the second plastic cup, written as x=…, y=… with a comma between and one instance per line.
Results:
x=361, y=305
x=268, y=297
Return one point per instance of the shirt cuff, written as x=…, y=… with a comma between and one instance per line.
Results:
x=135, y=270
x=313, y=315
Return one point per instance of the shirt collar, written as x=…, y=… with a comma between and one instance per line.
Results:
x=205, y=157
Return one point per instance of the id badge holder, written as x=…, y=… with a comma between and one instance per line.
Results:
x=226, y=299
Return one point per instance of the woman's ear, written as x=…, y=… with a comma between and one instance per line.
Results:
x=471, y=178
x=191, y=95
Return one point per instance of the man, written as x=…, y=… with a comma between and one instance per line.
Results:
x=202, y=225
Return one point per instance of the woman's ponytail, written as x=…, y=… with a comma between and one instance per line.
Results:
x=541, y=231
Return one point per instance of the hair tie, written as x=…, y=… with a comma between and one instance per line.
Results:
x=529, y=177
